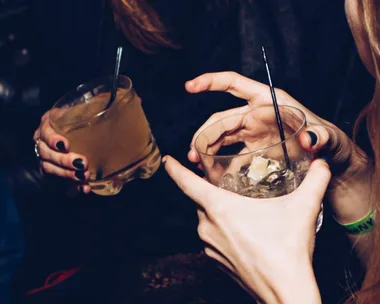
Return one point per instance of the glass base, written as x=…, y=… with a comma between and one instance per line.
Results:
x=144, y=169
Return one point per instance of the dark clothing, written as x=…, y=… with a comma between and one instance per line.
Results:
x=311, y=53
x=11, y=241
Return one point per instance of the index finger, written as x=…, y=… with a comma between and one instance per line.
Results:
x=53, y=139
x=242, y=87
x=231, y=82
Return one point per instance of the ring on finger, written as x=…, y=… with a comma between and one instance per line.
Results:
x=36, y=148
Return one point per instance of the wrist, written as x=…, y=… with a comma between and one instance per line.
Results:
x=299, y=286
x=291, y=281
x=350, y=195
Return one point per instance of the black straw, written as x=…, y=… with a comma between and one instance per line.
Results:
x=115, y=76
x=275, y=105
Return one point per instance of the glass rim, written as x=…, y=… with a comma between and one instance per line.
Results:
x=244, y=111
x=100, y=80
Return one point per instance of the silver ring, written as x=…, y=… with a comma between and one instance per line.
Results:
x=36, y=148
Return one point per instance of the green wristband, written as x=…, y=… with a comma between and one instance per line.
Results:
x=361, y=226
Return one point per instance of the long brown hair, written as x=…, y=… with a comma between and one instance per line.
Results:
x=141, y=24
x=369, y=11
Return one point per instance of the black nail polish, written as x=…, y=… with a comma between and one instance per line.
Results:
x=313, y=137
x=78, y=163
x=80, y=175
x=61, y=146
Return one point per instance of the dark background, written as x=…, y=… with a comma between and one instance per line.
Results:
x=37, y=66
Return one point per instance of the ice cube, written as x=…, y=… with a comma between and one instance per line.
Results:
x=227, y=182
x=260, y=167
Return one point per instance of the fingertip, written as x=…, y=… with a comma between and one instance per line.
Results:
x=308, y=140
x=86, y=189
x=319, y=171
x=313, y=138
x=81, y=175
x=60, y=146
x=193, y=156
x=195, y=86
x=58, y=143
x=316, y=181
x=190, y=183
x=321, y=163
x=190, y=85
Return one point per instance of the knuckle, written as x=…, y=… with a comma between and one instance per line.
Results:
x=44, y=130
x=36, y=134
x=231, y=74
x=44, y=115
x=214, y=117
x=209, y=252
x=50, y=141
x=203, y=231
x=217, y=211
x=281, y=92
x=282, y=95
x=63, y=160
x=42, y=153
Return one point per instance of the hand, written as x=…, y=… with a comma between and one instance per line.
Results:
x=266, y=244
x=345, y=158
x=55, y=158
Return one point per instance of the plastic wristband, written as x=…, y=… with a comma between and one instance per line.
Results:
x=361, y=226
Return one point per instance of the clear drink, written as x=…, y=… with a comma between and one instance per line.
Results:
x=243, y=153
x=118, y=141
x=265, y=178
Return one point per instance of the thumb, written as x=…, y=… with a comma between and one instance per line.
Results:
x=317, y=180
x=199, y=190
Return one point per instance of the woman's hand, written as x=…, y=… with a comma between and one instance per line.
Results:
x=265, y=244
x=350, y=186
x=55, y=158
x=344, y=157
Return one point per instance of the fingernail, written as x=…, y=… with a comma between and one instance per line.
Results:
x=78, y=163
x=61, y=146
x=313, y=137
x=164, y=159
x=80, y=175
